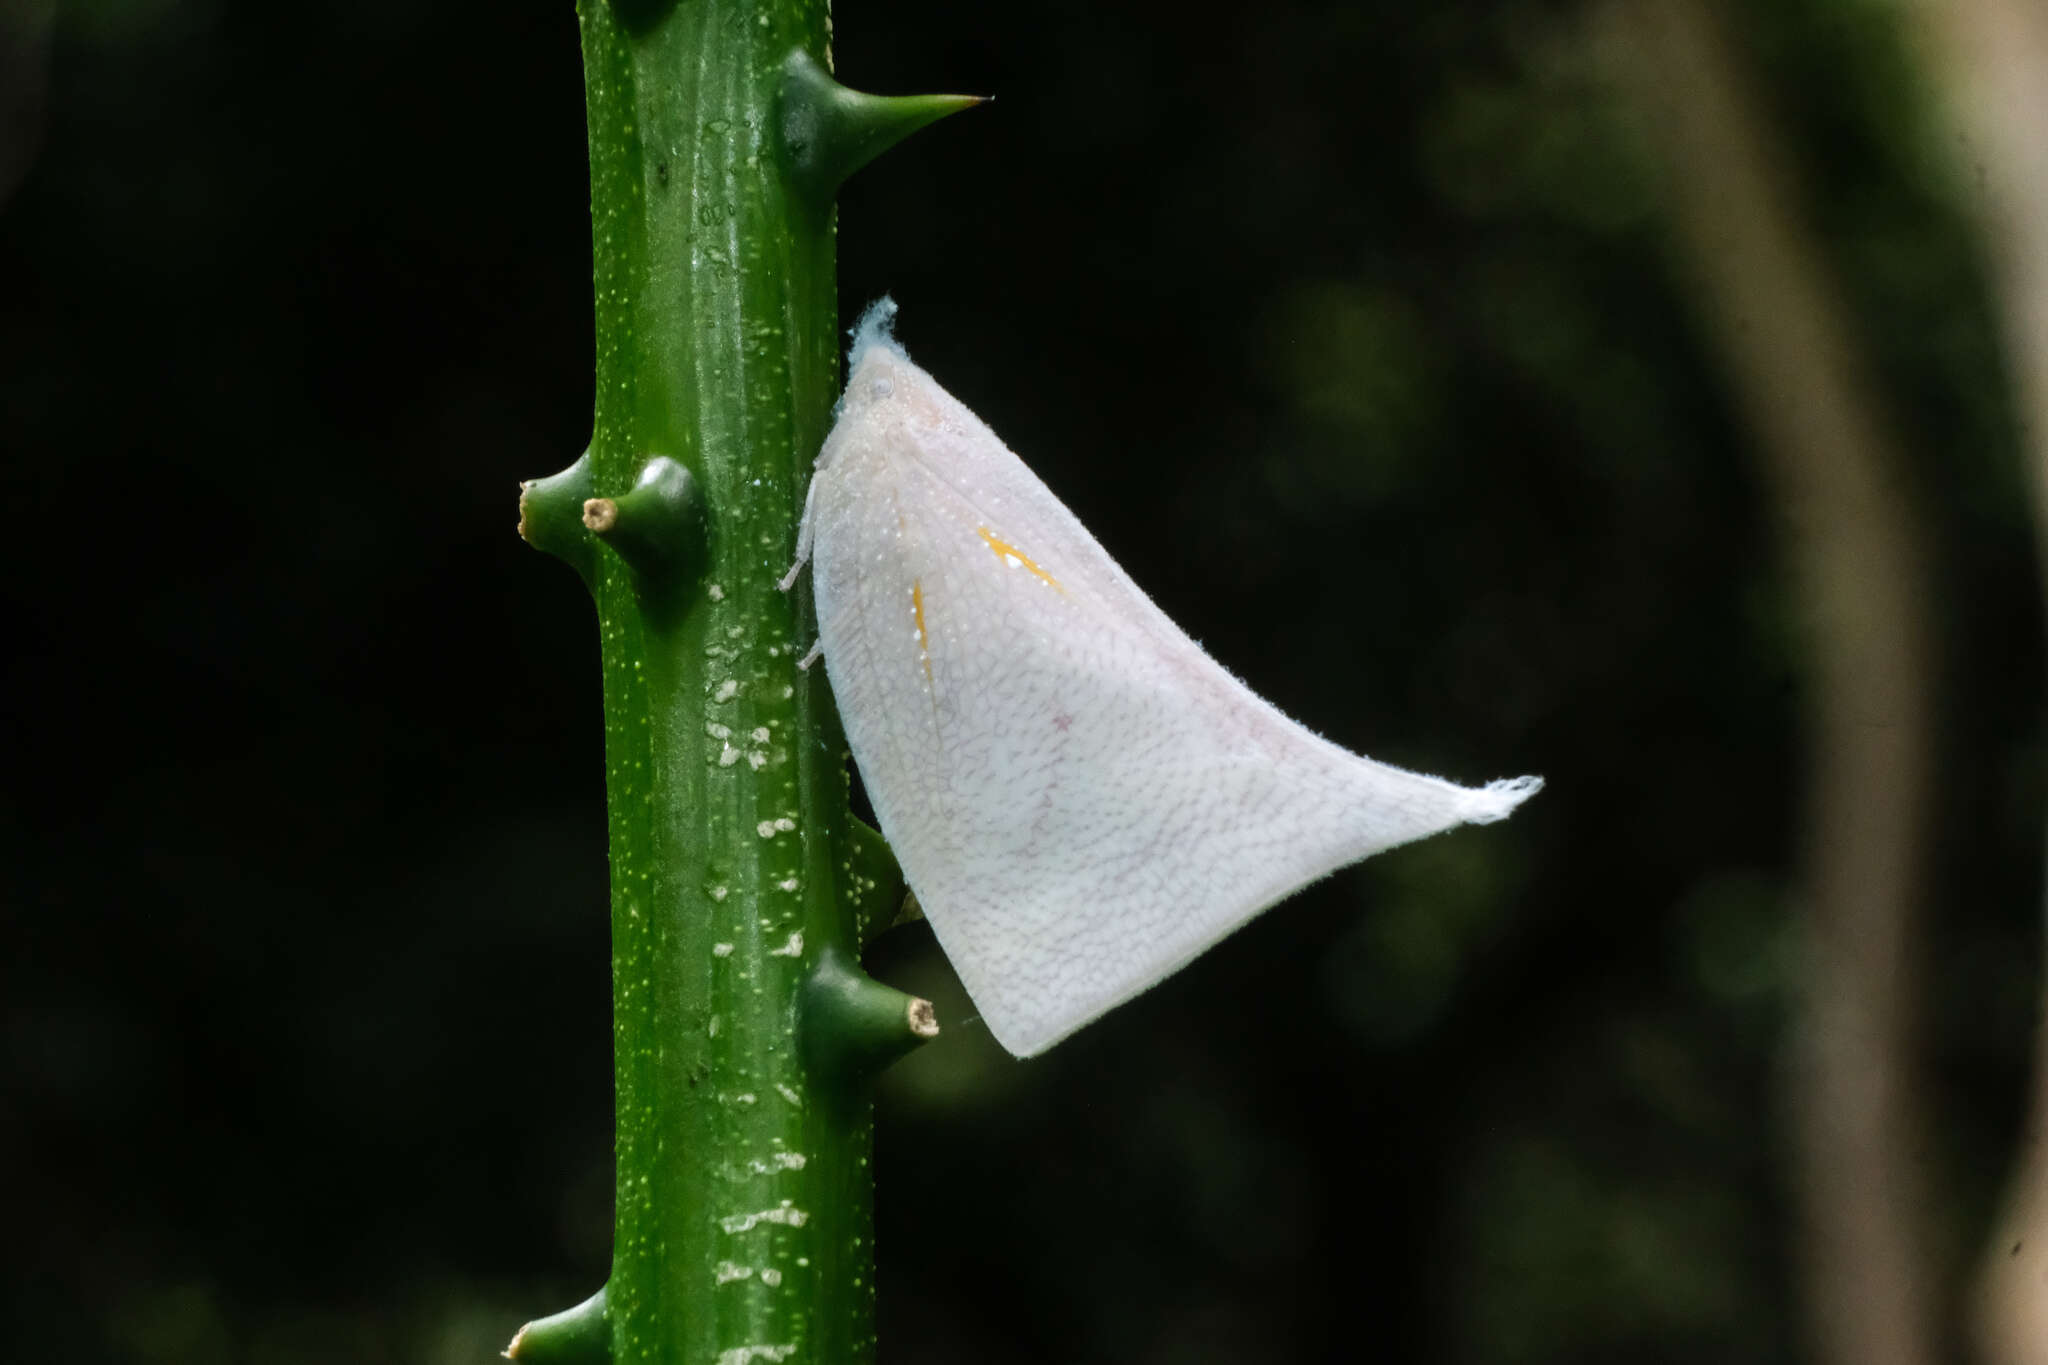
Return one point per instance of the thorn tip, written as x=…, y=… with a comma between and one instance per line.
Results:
x=829, y=132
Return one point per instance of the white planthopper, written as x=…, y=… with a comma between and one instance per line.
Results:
x=1082, y=800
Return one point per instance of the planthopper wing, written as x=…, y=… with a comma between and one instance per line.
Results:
x=1082, y=800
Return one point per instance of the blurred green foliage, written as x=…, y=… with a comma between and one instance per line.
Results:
x=1354, y=333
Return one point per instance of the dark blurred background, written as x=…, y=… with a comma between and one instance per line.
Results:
x=1358, y=332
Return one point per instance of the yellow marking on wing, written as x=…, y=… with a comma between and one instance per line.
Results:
x=1007, y=552
x=924, y=643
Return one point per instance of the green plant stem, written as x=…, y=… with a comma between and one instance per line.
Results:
x=744, y=1031
x=740, y=1194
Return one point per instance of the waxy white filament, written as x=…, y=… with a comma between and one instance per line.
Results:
x=1082, y=800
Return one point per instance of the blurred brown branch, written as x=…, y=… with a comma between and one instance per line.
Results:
x=1992, y=59
x=1855, y=545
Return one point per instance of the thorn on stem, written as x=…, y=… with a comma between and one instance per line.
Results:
x=549, y=517
x=853, y=1025
x=829, y=131
x=657, y=527
x=578, y=1336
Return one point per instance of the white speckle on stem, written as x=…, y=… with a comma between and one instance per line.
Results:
x=727, y=690
x=771, y=1277
x=715, y=593
x=760, y=734
x=726, y=1272
x=728, y=756
x=790, y=1095
x=781, y=1161
x=785, y=1213
x=721, y=950
x=746, y=1355
x=793, y=948
x=788, y=884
